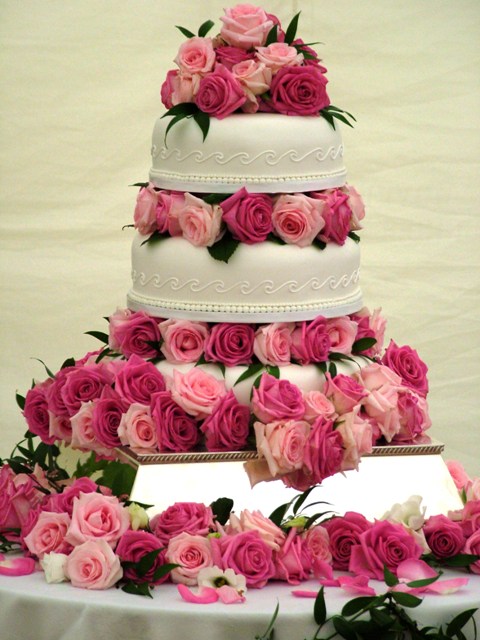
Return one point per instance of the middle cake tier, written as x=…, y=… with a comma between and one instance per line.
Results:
x=264, y=282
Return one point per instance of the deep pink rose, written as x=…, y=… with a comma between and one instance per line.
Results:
x=189, y=517
x=179, y=87
x=230, y=344
x=384, y=543
x=249, y=555
x=48, y=534
x=84, y=384
x=311, y=342
x=138, y=380
x=344, y=533
x=137, y=427
x=342, y=332
x=96, y=517
x=229, y=56
x=197, y=392
x=106, y=417
x=53, y=392
x=227, y=428
x=219, y=93
x=36, y=413
x=337, y=215
x=132, y=547
x=144, y=216
x=83, y=435
x=297, y=218
x=176, y=431
x=470, y=517
x=93, y=565
x=294, y=561
x=407, y=364
x=245, y=26
x=273, y=343
x=443, y=536
x=323, y=451
x=199, y=221
x=183, y=340
x=343, y=391
x=63, y=502
x=413, y=415
x=192, y=553
x=370, y=325
x=299, y=91
x=196, y=55
x=169, y=204
x=472, y=546
x=134, y=333
x=277, y=400
x=314, y=60
x=248, y=216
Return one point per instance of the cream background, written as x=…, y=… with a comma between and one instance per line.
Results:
x=79, y=96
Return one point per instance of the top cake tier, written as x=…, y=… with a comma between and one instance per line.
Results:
x=266, y=153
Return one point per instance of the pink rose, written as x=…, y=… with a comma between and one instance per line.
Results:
x=413, y=416
x=63, y=502
x=384, y=543
x=337, y=215
x=189, y=517
x=169, y=204
x=323, y=451
x=407, y=364
x=278, y=55
x=93, y=565
x=248, y=216
x=230, y=344
x=342, y=333
x=176, y=431
x=343, y=391
x=472, y=546
x=470, y=517
x=444, y=537
x=381, y=403
x=357, y=435
x=254, y=77
x=344, y=533
x=318, y=543
x=311, y=342
x=138, y=380
x=200, y=222
x=317, y=404
x=255, y=521
x=106, y=417
x=53, y=392
x=245, y=26
x=229, y=56
x=96, y=517
x=196, y=55
x=144, y=216
x=60, y=428
x=84, y=384
x=36, y=413
x=299, y=91
x=356, y=205
x=183, y=340
x=227, y=428
x=48, y=534
x=192, y=553
x=220, y=93
x=197, y=392
x=83, y=435
x=459, y=476
x=19, y=494
x=293, y=562
x=277, y=400
x=134, y=333
x=282, y=444
x=132, y=547
x=273, y=343
x=370, y=326
x=137, y=428
x=314, y=60
x=178, y=88
x=297, y=218
x=249, y=555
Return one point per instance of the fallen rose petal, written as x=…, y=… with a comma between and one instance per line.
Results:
x=206, y=595
x=357, y=585
x=322, y=569
x=300, y=593
x=16, y=566
x=412, y=569
x=444, y=587
x=229, y=595
x=329, y=582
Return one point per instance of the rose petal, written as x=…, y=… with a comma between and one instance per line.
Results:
x=329, y=582
x=229, y=595
x=206, y=595
x=412, y=569
x=299, y=593
x=447, y=586
x=357, y=585
x=322, y=569
x=17, y=566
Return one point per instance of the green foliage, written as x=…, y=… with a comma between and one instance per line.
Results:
x=99, y=335
x=224, y=249
x=222, y=508
x=332, y=113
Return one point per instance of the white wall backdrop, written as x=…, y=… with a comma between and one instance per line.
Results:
x=79, y=95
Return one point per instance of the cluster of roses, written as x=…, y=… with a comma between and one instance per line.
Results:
x=297, y=218
x=238, y=70
x=277, y=344
x=91, y=538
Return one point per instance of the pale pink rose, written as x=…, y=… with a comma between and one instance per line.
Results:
x=277, y=400
x=93, y=565
x=273, y=342
x=317, y=404
x=318, y=543
x=248, y=555
x=257, y=471
x=297, y=218
x=256, y=521
x=63, y=502
x=344, y=392
x=245, y=26
x=182, y=517
x=470, y=517
x=169, y=204
x=96, y=517
x=472, y=546
x=278, y=55
x=220, y=93
x=179, y=87
x=60, y=428
x=19, y=495
x=293, y=562
x=183, y=340
x=200, y=222
x=342, y=332
x=324, y=453
x=83, y=435
x=196, y=56
x=473, y=489
x=370, y=325
x=381, y=403
x=459, y=476
x=192, y=553
x=357, y=438
x=48, y=534
x=356, y=205
x=254, y=76
x=144, y=216
x=197, y=392
x=133, y=333
x=137, y=428
x=413, y=416
x=282, y=444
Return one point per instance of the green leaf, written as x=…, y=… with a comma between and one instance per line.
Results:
x=322, y=367
x=332, y=369
x=142, y=589
x=353, y=236
x=273, y=371
x=423, y=583
x=99, y=335
x=363, y=344
x=276, y=239
x=154, y=238
x=300, y=501
x=390, y=578
x=319, y=608
x=291, y=31
x=20, y=401
x=224, y=249
x=382, y=619
x=338, y=357
x=344, y=627
x=49, y=373
x=183, y=109
x=406, y=599
x=173, y=121
x=272, y=35
x=142, y=185
x=278, y=514
x=147, y=561
x=69, y=362
x=252, y=370
x=316, y=516
x=216, y=198
x=359, y=604
x=203, y=121
x=186, y=32
x=163, y=570
x=460, y=621
x=268, y=633
x=18, y=467
x=222, y=507
x=461, y=560
x=119, y=477
x=205, y=28
x=319, y=244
